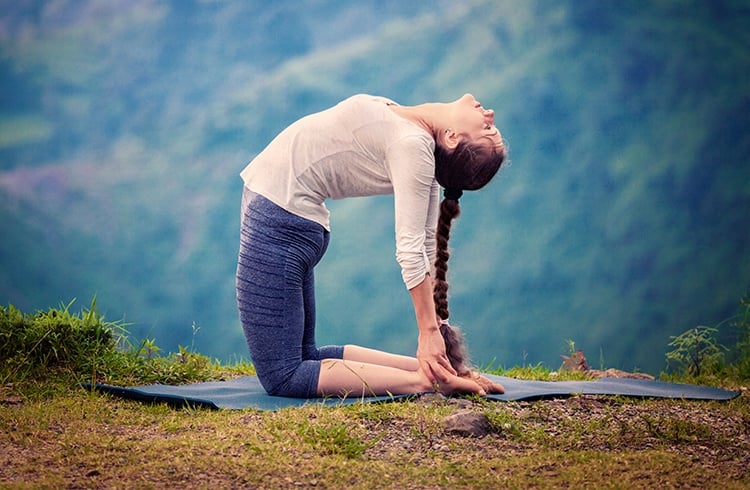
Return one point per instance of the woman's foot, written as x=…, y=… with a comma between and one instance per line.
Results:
x=456, y=385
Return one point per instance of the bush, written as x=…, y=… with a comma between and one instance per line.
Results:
x=86, y=348
x=739, y=355
x=56, y=340
x=697, y=352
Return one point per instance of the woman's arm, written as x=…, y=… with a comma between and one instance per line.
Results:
x=431, y=347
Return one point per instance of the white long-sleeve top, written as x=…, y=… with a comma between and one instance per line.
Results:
x=360, y=147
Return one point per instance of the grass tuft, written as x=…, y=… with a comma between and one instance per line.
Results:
x=59, y=346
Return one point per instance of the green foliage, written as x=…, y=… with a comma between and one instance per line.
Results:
x=739, y=355
x=179, y=367
x=505, y=422
x=57, y=340
x=84, y=347
x=541, y=372
x=537, y=371
x=696, y=352
x=332, y=437
x=677, y=430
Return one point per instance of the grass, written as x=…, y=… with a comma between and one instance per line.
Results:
x=58, y=345
x=92, y=441
x=54, y=434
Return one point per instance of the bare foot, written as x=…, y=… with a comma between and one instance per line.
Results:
x=455, y=385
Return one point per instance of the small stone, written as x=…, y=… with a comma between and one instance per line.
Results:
x=11, y=400
x=462, y=402
x=432, y=398
x=467, y=423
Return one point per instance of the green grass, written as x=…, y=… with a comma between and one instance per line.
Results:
x=58, y=347
x=86, y=440
x=53, y=433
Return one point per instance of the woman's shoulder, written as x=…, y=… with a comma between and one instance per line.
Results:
x=368, y=98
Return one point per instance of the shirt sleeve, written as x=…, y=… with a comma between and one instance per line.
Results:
x=411, y=165
x=430, y=230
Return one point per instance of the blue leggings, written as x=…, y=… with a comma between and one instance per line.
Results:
x=276, y=297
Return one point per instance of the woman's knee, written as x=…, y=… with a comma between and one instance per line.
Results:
x=331, y=352
x=299, y=382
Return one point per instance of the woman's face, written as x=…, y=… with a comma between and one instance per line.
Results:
x=471, y=120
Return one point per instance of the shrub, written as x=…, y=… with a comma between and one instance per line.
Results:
x=739, y=355
x=697, y=351
x=85, y=347
x=56, y=340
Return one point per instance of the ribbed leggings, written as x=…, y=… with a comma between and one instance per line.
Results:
x=276, y=297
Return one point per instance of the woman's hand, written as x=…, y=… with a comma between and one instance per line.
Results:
x=430, y=348
x=432, y=358
x=457, y=385
x=486, y=384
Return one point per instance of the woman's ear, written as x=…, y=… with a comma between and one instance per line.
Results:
x=451, y=139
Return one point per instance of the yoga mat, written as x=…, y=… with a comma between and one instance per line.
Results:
x=246, y=392
x=528, y=390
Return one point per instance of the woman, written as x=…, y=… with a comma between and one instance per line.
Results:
x=363, y=146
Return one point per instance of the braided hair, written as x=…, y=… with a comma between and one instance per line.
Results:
x=469, y=166
x=455, y=347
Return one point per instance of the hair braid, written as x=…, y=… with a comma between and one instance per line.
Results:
x=455, y=348
x=449, y=210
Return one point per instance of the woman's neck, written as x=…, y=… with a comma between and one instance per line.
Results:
x=429, y=116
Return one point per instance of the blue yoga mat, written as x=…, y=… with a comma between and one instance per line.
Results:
x=246, y=392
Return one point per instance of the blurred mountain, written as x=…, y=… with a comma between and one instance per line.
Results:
x=622, y=218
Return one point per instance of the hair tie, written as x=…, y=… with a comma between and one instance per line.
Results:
x=453, y=194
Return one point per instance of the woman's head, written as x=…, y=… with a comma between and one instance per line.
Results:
x=470, y=165
x=470, y=150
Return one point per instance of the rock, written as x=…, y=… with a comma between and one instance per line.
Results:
x=577, y=362
x=467, y=423
x=432, y=398
x=462, y=402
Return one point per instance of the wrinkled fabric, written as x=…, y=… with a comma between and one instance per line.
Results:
x=359, y=147
x=276, y=297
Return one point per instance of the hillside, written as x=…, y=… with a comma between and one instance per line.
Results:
x=621, y=220
x=75, y=441
x=54, y=432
